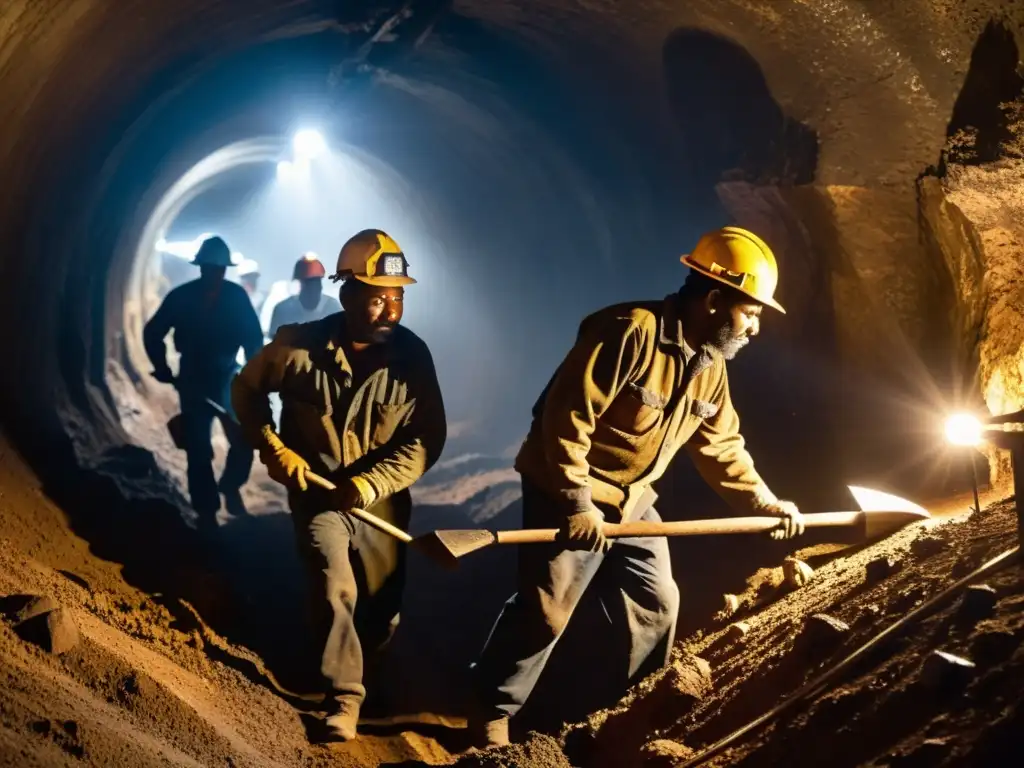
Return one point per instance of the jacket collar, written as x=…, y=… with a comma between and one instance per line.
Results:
x=670, y=334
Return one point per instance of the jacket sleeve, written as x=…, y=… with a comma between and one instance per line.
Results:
x=605, y=356
x=154, y=334
x=719, y=452
x=251, y=388
x=415, y=445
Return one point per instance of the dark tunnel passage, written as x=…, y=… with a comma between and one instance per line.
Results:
x=538, y=161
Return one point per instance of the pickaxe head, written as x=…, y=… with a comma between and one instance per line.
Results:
x=884, y=513
x=445, y=547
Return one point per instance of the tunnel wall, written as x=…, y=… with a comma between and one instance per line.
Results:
x=876, y=84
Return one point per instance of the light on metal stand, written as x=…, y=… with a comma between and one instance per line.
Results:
x=964, y=430
x=1006, y=432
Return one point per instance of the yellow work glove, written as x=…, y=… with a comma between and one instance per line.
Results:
x=584, y=531
x=791, y=520
x=283, y=464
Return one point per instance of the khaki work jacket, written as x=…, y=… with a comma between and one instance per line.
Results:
x=387, y=430
x=627, y=397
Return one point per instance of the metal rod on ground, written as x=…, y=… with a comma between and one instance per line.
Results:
x=817, y=684
x=974, y=480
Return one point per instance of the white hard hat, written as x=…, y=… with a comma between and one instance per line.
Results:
x=248, y=267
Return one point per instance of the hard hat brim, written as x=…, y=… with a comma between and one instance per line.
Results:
x=770, y=302
x=394, y=281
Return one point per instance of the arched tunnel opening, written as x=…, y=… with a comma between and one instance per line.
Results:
x=536, y=162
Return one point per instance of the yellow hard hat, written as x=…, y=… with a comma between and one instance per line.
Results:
x=372, y=257
x=740, y=259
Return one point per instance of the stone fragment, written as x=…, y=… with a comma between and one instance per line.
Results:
x=664, y=753
x=732, y=604
x=946, y=671
x=928, y=753
x=927, y=546
x=870, y=612
x=821, y=634
x=978, y=602
x=37, y=606
x=737, y=631
x=910, y=598
x=796, y=572
x=994, y=647
x=880, y=569
x=44, y=623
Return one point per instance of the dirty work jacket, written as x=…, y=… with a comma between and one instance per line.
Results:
x=207, y=335
x=622, y=404
x=385, y=430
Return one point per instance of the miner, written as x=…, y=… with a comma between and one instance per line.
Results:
x=212, y=319
x=311, y=303
x=643, y=380
x=360, y=405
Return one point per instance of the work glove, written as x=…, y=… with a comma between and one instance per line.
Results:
x=354, y=493
x=582, y=531
x=792, y=521
x=164, y=376
x=283, y=464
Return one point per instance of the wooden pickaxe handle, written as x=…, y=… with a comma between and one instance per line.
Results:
x=684, y=527
x=370, y=519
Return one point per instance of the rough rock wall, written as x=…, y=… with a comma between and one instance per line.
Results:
x=868, y=306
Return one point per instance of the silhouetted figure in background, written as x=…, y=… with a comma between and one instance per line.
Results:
x=311, y=303
x=249, y=279
x=360, y=405
x=211, y=318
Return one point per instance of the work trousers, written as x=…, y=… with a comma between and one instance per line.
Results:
x=633, y=580
x=197, y=422
x=356, y=576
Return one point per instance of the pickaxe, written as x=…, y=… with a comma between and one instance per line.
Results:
x=880, y=515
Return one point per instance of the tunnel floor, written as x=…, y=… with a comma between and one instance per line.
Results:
x=155, y=678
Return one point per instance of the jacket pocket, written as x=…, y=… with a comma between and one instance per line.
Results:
x=387, y=419
x=635, y=411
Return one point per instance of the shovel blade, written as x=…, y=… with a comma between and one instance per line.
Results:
x=880, y=523
x=447, y=546
x=870, y=500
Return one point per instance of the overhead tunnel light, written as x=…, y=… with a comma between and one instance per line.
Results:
x=309, y=144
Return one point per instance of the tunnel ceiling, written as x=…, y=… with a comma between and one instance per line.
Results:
x=830, y=91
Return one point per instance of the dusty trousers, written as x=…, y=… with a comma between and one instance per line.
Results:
x=197, y=421
x=355, y=579
x=633, y=580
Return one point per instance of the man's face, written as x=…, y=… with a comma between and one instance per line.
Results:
x=739, y=322
x=310, y=291
x=372, y=312
x=211, y=273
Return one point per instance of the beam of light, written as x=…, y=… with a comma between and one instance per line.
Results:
x=870, y=500
x=285, y=170
x=963, y=429
x=183, y=249
x=309, y=144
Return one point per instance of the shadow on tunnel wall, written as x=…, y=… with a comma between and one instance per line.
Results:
x=730, y=125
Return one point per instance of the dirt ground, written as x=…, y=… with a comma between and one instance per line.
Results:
x=150, y=681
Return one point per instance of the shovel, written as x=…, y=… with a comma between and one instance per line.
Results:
x=864, y=525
